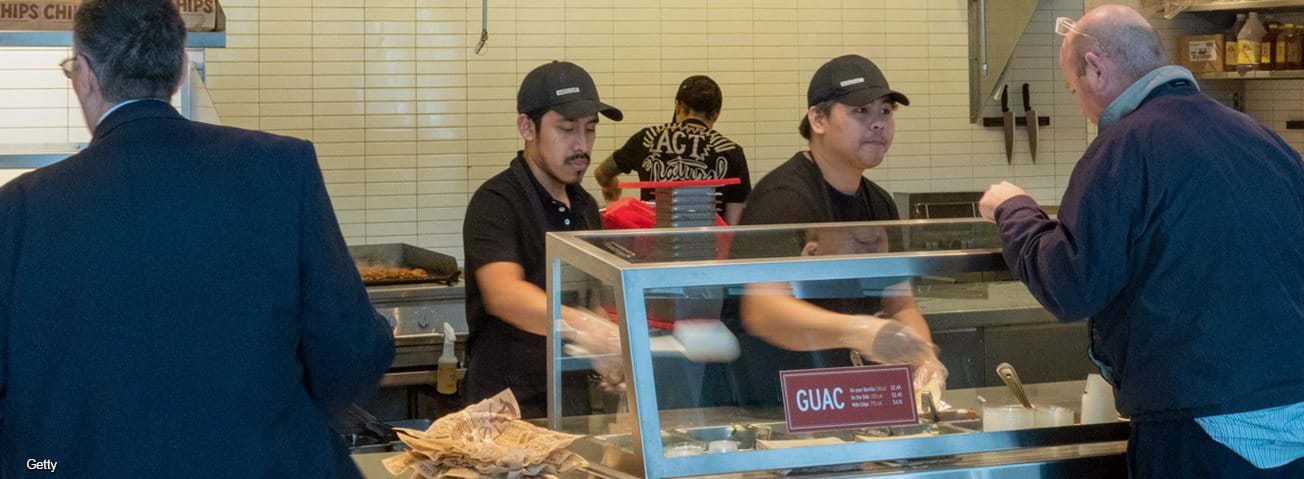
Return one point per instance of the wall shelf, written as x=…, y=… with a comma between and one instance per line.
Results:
x=35, y=155
x=1254, y=75
x=1245, y=5
x=64, y=39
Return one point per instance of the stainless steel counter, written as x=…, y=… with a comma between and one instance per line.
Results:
x=416, y=292
x=1065, y=462
x=1077, y=451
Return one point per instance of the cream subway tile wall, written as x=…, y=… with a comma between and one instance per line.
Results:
x=408, y=121
x=36, y=103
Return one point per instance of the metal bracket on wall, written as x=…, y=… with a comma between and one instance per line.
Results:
x=996, y=121
x=484, y=27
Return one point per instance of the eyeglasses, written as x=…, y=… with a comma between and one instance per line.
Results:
x=69, y=65
x=1065, y=25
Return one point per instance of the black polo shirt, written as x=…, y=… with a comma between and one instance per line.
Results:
x=688, y=150
x=506, y=221
x=796, y=192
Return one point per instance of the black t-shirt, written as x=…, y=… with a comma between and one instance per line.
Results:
x=853, y=207
x=795, y=192
x=687, y=150
x=503, y=223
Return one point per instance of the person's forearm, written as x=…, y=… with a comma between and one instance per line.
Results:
x=606, y=172
x=525, y=306
x=733, y=213
x=769, y=312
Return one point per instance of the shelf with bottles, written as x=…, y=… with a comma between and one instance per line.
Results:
x=1273, y=42
x=1253, y=75
x=1244, y=5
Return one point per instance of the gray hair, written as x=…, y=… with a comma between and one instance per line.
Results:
x=1136, y=49
x=136, y=48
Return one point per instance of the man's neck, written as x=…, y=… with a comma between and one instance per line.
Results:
x=555, y=188
x=837, y=172
x=684, y=118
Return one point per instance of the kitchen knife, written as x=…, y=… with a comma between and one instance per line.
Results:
x=1008, y=117
x=1030, y=114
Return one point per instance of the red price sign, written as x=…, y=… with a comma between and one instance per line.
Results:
x=848, y=398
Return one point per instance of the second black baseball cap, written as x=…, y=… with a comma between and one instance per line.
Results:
x=851, y=80
x=565, y=88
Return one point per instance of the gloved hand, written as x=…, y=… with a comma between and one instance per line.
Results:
x=930, y=376
x=887, y=341
x=601, y=339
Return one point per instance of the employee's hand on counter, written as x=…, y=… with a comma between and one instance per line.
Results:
x=996, y=195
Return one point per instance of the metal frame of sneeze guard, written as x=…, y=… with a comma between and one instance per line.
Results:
x=630, y=280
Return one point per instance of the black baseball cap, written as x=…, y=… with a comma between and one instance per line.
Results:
x=565, y=88
x=852, y=80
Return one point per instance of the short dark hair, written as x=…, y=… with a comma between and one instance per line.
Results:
x=823, y=108
x=136, y=48
x=700, y=94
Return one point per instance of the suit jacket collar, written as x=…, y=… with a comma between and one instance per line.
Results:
x=133, y=112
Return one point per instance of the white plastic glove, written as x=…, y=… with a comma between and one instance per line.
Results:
x=601, y=339
x=930, y=376
x=887, y=341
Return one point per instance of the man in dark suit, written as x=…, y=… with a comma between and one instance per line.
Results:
x=176, y=300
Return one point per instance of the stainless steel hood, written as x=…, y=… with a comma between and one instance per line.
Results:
x=995, y=27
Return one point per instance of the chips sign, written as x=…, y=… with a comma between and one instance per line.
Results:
x=34, y=15
x=58, y=15
x=848, y=398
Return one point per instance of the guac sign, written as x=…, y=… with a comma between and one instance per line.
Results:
x=848, y=398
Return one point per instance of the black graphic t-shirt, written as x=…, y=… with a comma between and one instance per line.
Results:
x=688, y=150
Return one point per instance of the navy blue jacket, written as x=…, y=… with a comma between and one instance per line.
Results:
x=176, y=300
x=1181, y=238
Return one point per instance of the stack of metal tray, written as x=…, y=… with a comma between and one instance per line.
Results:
x=685, y=207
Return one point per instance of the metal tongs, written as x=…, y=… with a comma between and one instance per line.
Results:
x=930, y=406
x=1011, y=379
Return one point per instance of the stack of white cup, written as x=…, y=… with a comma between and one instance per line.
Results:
x=1098, y=401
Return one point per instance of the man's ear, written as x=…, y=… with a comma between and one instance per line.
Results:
x=1094, y=71
x=817, y=120
x=525, y=127
x=85, y=78
x=811, y=248
x=185, y=70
